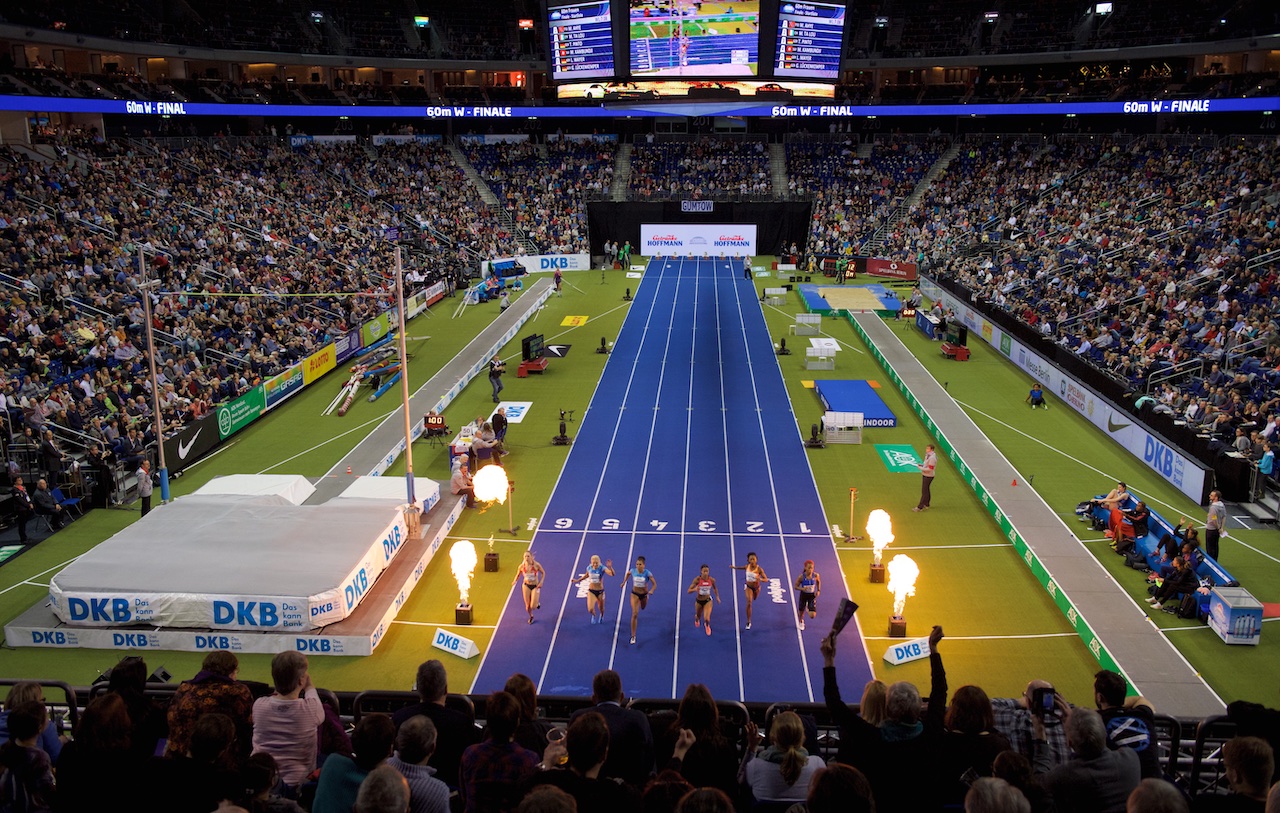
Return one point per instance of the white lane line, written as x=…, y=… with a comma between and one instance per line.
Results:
x=892, y=548
x=16, y=585
x=777, y=511
x=324, y=443
x=210, y=456
x=450, y=624
x=582, y=540
x=1252, y=548
x=846, y=345
x=688, y=460
x=724, y=420
x=1076, y=460
x=987, y=637
x=1205, y=626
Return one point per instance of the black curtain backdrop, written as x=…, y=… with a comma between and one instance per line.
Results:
x=777, y=224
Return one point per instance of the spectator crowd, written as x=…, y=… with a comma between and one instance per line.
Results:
x=223, y=742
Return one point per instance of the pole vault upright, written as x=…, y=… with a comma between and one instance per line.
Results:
x=411, y=513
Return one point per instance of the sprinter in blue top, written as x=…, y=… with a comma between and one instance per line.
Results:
x=642, y=586
x=808, y=587
x=595, y=586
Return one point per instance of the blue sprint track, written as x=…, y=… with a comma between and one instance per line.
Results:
x=689, y=453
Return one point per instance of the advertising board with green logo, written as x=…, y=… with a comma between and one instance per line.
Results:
x=375, y=330
x=898, y=458
x=237, y=414
x=1033, y=563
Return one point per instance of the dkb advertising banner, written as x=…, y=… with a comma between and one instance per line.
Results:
x=236, y=415
x=377, y=329
x=277, y=389
x=1183, y=472
x=319, y=363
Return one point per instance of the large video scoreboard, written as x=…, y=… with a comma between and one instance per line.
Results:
x=581, y=38
x=810, y=40
x=695, y=40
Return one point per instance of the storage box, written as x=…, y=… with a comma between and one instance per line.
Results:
x=1235, y=615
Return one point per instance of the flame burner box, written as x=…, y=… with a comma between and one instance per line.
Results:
x=462, y=614
x=491, y=563
x=877, y=574
x=897, y=626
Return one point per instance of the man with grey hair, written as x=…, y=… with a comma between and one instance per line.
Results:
x=1097, y=779
x=415, y=743
x=988, y=795
x=455, y=730
x=384, y=790
x=891, y=754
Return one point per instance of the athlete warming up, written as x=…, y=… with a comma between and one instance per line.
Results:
x=755, y=578
x=642, y=586
x=808, y=588
x=532, y=574
x=705, y=587
x=595, y=586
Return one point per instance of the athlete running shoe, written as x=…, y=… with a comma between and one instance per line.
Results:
x=748, y=625
x=697, y=622
x=633, y=640
x=802, y=624
x=708, y=628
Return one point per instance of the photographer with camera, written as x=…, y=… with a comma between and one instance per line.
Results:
x=496, y=369
x=1016, y=718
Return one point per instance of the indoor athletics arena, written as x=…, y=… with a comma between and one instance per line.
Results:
x=632, y=405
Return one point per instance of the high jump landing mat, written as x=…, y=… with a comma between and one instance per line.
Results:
x=855, y=396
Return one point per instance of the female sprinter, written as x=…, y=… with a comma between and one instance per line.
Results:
x=755, y=578
x=704, y=586
x=595, y=586
x=533, y=575
x=808, y=586
x=642, y=586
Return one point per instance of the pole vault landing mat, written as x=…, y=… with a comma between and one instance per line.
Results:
x=855, y=396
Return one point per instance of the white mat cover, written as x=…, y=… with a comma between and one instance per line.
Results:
x=226, y=562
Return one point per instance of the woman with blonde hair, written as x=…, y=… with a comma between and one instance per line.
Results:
x=781, y=772
x=875, y=698
x=532, y=574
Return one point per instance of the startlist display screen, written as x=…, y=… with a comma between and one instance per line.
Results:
x=675, y=38
x=810, y=38
x=581, y=40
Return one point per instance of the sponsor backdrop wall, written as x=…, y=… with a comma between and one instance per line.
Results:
x=714, y=239
x=1187, y=475
x=775, y=224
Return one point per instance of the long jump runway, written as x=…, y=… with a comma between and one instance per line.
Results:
x=689, y=454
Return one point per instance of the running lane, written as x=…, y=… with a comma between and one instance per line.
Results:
x=688, y=455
